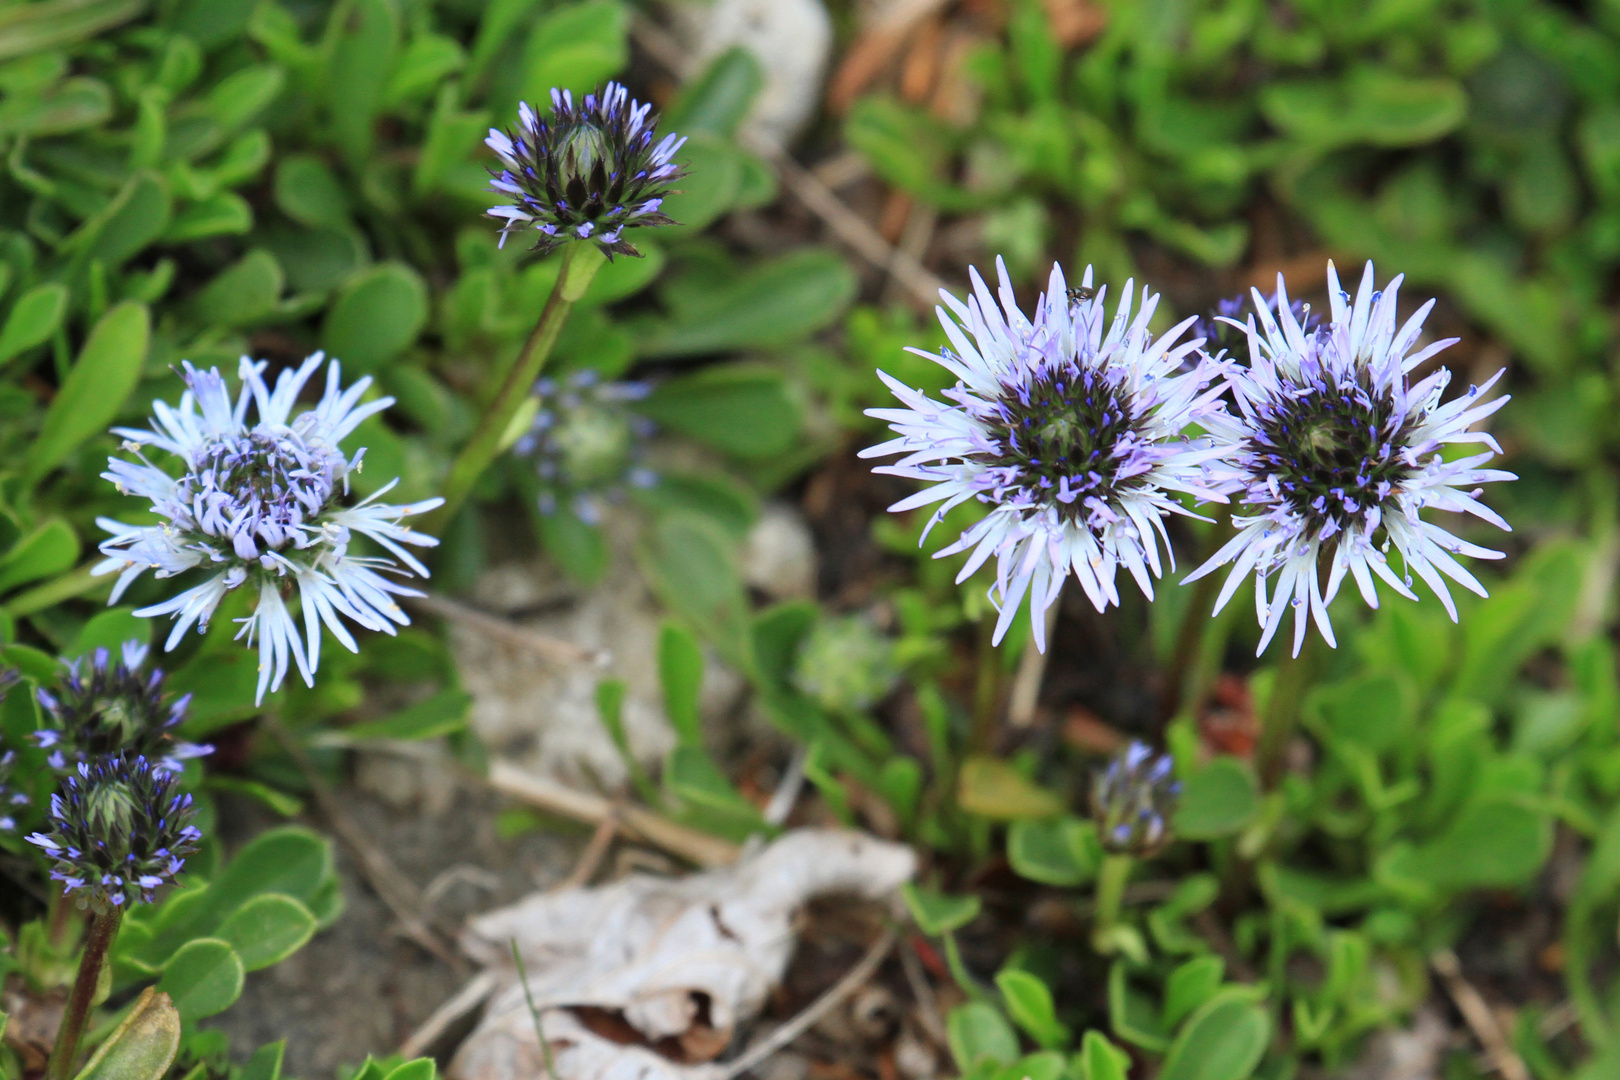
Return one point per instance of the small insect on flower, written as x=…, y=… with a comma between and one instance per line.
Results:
x=116, y=709
x=588, y=172
x=1334, y=455
x=264, y=506
x=586, y=443
x=118, y=830
x=1133, y=801
x=1073, y=437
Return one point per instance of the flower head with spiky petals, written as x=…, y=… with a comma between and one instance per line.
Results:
x=118, y=830
x=1069, y=427
x=587, y=172
x=587, y=443
x=1335, y=455
x=115, y=708
x=264, y=506
x=1133, y=801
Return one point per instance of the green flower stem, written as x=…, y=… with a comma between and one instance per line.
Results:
x=1111, y=879
x=1277, y=727
x=1188, y=679
x=581, y=260
x=97, y=943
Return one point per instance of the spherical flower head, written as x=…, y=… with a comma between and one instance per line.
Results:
x=264, y=506
x=846, y=664
x=113, y=707
x=1133, y=800
x=1069, y=427
x=117, y=830
x=587, y=172
x=1334, y=454
x=586, y=443
x=1223, y=333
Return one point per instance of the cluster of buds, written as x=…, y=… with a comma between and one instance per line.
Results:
x=1133, y=800
x=118, y=830
x=117, y=708
x=586, y=443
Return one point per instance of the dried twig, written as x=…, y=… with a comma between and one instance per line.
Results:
x=927, y=1000
x=473, y=994
x=1026, y=688
x=1481, y=1020
x=594, y=852
x=509, y=633
x=547, y=794
x=850, y=227
x=782, y=1036
x=386, y=880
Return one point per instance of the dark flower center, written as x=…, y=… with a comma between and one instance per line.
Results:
x=1335, y=448
x=1061, y=438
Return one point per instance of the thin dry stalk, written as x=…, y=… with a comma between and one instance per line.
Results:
x=472, y=994
x=1479, y=1017
x=695, y=847
x=544, y=646
x=782, y=1036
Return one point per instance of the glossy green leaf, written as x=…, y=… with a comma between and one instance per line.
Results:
x=935, y=913
x=1223, y=1040
x=243, y=95
x=1054, y=851
x=246, y=292
x=142, y=1046
x=1220, y=799
x=770, y=304
x=575, y=46
x=742, y=410
x=52, y=548
x=427, y=60
x=978, y=1033
x=1100, y=1059
x=33, y=28
x=430, y=718
x=420, y=1069
x=101, y=378
x=204, y=977
x=33, y=319
x=265, y=1064
x=138, y=215
x=224, y=213
x=267, y=929
x=692, y=564
x=718, y=99
x=1029, y=1003
x=1491, y=844
x=359, y=61
x=309, y=192
x=110, y=630
x=680, y=673
x=376, y=316
x=1190, y=985
x=74, y=105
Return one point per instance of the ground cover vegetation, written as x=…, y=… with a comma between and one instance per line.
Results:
x=241, y=241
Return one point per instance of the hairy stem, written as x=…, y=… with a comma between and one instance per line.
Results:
x=1111, y=879
x=581, y=260
x=97, y=943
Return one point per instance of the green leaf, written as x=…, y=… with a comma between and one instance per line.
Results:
x=1373, y=104
x=680, y=672
x=142, y=1046
x=429, y=718
x=109, y=630
x=359, y=62
x=1132, y=1014
x=1224, y=1040
x=1100, y=1059
x=738, y=409
x=224, y=213
x=1491, y=844
x=265, y=1064
x=1061, y=851
x=33, y=319
x=423, y=64
x=212, y=22
x=243, y=95
x=578, y=548
x=376, y=316
x=420, y=1069
x=137, y=216
x=697, y=206
x=575, y=47
x=50, y=549
x=274, y=799
x=246, y=292
x=1377, y=711
x=718, y=99
x=770, y=303
x=204, y=977
x=1220, y=799
x=935, y=913
x=267, y=929
x=32, y=28
x=908, y=148
x=696, y=779
x=692, y=564
x=994, y=789
x=106, y=371
x=978, y=1033
x=1190, y=985
x=1029, y=1003
x=310, y=193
